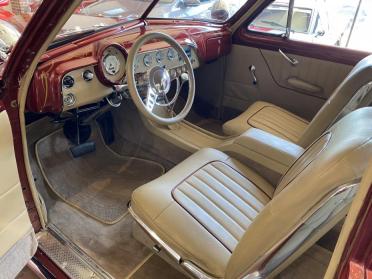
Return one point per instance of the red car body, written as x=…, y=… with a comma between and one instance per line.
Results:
x=357, y=256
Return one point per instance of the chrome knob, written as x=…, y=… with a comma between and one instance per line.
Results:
x=184, y=77
x=69, y=100
x=88, y=75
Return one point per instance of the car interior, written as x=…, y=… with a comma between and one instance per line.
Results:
x=184, y=150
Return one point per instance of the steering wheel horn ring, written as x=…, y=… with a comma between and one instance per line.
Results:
x=159, y=82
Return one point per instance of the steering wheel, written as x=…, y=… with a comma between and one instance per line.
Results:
x=155, y=104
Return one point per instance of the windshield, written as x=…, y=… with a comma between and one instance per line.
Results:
x=206, y=10
x=92, y=15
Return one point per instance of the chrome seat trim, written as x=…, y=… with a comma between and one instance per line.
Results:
x=187, y=265
x=325, y=211
x=331, y=205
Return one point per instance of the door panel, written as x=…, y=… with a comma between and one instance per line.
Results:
x=17, y=239
x=323, y=76
x=301, y=89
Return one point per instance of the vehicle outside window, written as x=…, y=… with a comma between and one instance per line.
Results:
x=342, y=23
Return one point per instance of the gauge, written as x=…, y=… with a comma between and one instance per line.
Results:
x=111, y=64
x=159, y=56
x=68, y=82
x=147, y=60
x=187, y=50
x=171, y=54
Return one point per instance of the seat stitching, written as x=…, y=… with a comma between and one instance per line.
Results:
x=278, y=133
x=285, y=116
x=290, y=126
x=281, y=110
x=236, y=194
x=232, y=203
x=289, y=136
x=216, y=205
x=206, y=211
x=237, y=183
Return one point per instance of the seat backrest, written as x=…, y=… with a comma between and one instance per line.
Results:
x=310, y=199
x=354, y=92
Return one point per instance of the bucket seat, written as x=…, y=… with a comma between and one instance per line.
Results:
x=354, y=92
x=220, y=219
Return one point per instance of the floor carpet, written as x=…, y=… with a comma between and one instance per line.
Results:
x=99, y=183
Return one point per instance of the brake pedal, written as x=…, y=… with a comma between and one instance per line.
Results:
x=82, y=149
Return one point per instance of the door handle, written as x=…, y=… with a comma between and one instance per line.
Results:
x=252, y=69
x=291, y=60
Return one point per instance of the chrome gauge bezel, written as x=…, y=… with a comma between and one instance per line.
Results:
x=159, y=56
x=171, y=54
x=147, y=60
x=112, y=64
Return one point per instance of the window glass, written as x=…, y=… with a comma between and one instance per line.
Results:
x=206, y=10
x=342, y=23
x=91, y=14
x=360, y=38
x=272, y=20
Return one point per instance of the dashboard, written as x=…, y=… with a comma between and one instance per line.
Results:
x=86, y=72
x=92, y=83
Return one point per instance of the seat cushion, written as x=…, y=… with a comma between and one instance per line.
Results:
x=202, y=207
x=270, y=118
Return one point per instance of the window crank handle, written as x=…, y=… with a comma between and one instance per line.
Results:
x=252, y=69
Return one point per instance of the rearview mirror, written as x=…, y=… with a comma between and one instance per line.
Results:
x=189, y=3
x=220, y=10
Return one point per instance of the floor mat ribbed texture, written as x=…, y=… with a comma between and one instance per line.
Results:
x=99, y=183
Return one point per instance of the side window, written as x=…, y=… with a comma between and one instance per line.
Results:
x=343, y=23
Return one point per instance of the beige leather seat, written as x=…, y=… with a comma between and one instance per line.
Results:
x=220, y=219
x=354, y=92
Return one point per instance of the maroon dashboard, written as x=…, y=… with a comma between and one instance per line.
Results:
x=74, y=75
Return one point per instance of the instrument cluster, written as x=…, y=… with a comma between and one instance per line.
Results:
x=167, y=57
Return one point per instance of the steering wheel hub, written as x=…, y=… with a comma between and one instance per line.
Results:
x=153, y=101
x=160, y=80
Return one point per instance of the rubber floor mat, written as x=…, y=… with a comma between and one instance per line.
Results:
x=99, y=183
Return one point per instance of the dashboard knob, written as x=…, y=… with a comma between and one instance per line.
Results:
x=88, y=75
x=69, y=100
x=68, y=82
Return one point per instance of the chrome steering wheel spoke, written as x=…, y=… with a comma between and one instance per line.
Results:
x=158, y=104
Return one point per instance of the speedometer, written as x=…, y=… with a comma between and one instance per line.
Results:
x=111, y=64
x=147, y=60
x=171, y=54
x=159, y=56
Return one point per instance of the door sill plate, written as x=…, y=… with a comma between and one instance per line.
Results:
x=68, y=256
